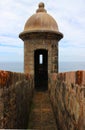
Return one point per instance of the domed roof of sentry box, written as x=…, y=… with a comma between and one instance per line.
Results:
x=41, y=21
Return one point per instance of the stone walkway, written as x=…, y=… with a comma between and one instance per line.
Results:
x=41, y=115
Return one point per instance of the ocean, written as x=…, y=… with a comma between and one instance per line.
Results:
x=63, y=66
x=12, y=66
x=71, y=66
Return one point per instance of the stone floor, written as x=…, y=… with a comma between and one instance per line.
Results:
x=41, y=115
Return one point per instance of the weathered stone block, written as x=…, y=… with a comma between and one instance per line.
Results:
x=79, y=77
x=70, y=77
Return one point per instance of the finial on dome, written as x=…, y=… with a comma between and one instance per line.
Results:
x=41, y=7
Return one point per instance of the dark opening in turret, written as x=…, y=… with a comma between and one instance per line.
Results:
x=41, y=69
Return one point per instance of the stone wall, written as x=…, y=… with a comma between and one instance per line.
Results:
x=15, y=96
x=67, y=93
x=30, y=46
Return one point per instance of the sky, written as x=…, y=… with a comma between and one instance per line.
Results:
x=69, y=15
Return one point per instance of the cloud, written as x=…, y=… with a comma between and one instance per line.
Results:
x=71, y=54
x=11, y=54
x=70, y=16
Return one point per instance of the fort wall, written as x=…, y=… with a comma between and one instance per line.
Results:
x=67, y=93
x=15, y=96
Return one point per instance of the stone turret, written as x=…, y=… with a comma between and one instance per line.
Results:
x=41, y=36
